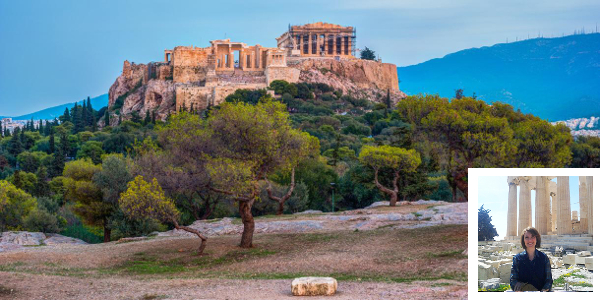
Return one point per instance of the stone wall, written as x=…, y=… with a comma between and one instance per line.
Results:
x=201, y=96
x=284, y=73
x=164, y=72
x=188, y=95
x=190, y=64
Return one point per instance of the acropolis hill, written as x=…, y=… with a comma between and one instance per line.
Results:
x=200, y=77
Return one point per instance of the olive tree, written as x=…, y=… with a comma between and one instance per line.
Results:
x=144, y=199
x=251, y=142
x=397, y=159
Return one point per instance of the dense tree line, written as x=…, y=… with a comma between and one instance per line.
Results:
x=281, y=150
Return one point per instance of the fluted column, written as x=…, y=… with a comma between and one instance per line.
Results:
x=552, y=191
x=541, y=205
x=564, y=205
x=511, y=225
x=549, y=205
x=583, y=204
x=590, y=219
x=524, y=204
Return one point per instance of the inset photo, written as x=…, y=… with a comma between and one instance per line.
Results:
x=534, y=230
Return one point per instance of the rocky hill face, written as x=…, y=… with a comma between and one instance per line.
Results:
x=151, y=88
x=139, y=90
x=362, y=78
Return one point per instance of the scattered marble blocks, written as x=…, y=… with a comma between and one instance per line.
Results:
x=589, y=263
x=492, y=283
x=569, y=259
x=314, y=286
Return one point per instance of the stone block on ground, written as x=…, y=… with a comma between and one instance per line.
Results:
x=589, y=263
x=569, y=259
x=492, y=283
x=314, y=286
x=504, y=272
x=486, y=271
x=584, y=253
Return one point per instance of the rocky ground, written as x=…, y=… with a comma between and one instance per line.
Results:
x=422, y=214
x=571, y=270
x=407, y=252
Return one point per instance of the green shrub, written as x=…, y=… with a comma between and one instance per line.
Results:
x=83, y=233
x=40, y=220
x=123, y=226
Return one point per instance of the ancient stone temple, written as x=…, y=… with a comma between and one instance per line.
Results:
x=318, y=39
x=198, y=77
x=553, y=213
x=204, y=76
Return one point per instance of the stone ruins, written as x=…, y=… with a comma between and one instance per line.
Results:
x=318, y=39
x=553, y=213
x=567, y=238
x=199, y=77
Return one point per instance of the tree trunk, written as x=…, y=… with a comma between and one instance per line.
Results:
x=393, y=193
x=194, y=231
x=285, y=197
x=248, y=221
x=462, y=183
x=106, y=233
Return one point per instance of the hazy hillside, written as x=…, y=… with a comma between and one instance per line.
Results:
x=556, y=79
x=52, y=112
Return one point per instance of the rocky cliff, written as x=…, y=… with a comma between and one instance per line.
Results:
x=150, y=87
x=358, y=77
x=142, y=88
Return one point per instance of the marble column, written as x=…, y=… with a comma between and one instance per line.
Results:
x=583, y=204
x=511, y=225
x=541, y=205
x=334, y=45
x=564, y=205
x=549, y=205
x=524, y=204
x=590, y=219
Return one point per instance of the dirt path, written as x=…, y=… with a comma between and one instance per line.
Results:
x=59, y=287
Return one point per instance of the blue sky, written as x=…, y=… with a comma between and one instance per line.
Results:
x=493, y=194
x=54, y=52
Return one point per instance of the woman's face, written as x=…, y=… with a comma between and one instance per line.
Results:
x=529, y=239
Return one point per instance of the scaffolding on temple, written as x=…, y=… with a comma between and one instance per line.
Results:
x=300, y=39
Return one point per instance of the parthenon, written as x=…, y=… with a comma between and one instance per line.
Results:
x=318, y=39
x=553, y=213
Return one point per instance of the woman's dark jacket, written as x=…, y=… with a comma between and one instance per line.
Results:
x=536, y=272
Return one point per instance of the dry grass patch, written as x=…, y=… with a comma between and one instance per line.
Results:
x=397, y=255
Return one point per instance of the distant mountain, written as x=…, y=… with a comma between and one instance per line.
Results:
x=52, y=112
x=553, y=78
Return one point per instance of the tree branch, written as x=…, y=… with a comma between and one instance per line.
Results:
x=380, y=186
x=194, y=231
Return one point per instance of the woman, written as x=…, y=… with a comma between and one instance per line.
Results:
x=531, y=268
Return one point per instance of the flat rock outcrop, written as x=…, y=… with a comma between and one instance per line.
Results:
x=14, y=240
x=362, y=219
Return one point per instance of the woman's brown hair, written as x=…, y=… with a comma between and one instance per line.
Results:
x=534, y=232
